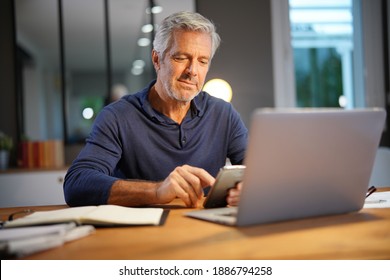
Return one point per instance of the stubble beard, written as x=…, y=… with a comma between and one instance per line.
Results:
x=176, y=95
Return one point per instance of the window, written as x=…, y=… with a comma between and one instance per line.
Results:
x=329, y=53
x=322, y=42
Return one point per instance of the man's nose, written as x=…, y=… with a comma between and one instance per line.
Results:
x=192, y=68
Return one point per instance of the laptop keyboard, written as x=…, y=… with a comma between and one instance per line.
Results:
x=230, y=214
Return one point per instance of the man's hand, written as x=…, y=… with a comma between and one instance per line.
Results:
x=185, y=182
x=233, y=197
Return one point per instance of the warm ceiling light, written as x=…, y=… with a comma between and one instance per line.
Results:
x=219, y=88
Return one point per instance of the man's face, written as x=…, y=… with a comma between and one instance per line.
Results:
x=182, y=71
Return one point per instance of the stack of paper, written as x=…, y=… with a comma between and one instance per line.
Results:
x=378, y=200
x=22, y=241
x=46, y=229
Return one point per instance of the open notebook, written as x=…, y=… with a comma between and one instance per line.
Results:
x=304, y=163
x=102, y=215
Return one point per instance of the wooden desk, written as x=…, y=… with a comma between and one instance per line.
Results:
x=362, y=235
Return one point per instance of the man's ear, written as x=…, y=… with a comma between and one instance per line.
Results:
x=155, y=60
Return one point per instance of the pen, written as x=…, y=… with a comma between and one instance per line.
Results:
x=370, y=190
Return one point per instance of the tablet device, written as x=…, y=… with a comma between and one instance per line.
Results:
x=228, y=176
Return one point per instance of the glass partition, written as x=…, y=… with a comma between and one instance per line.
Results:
x=73, y=54
x=85, y=64
x=38, y=64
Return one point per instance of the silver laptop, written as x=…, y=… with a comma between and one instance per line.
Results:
x=304, y=163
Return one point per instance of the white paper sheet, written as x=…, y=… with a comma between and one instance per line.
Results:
x=21, y=241
x=378, y=200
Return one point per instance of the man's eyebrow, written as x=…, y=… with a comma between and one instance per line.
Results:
x=189, y=55
x=180, y=53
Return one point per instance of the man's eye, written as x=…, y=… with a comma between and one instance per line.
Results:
x=179, y=58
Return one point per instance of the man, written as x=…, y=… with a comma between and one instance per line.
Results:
x=170, y=139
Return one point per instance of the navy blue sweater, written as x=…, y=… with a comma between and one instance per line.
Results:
x=129, y=139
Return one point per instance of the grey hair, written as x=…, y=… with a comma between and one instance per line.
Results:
x=187, y=21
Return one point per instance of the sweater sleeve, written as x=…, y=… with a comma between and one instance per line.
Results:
x=90, y=177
